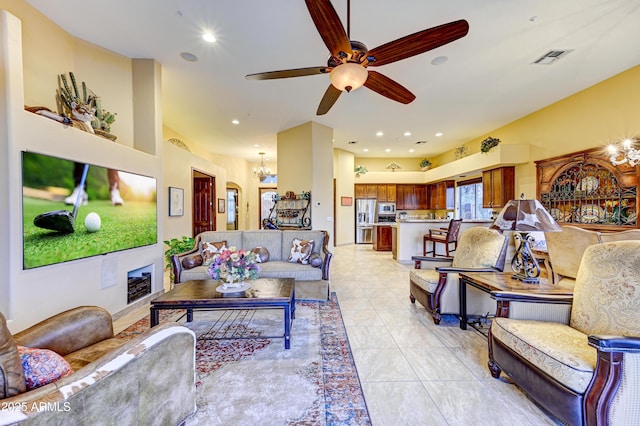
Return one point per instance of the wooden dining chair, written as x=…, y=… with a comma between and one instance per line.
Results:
x=444, y=236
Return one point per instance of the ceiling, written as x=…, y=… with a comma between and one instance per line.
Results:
x=487, y=81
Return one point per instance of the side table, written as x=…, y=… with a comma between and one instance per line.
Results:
x=500, y=281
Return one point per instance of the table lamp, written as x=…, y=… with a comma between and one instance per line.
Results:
x=525, y=216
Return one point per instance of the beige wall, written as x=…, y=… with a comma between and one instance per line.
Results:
x=345, y=179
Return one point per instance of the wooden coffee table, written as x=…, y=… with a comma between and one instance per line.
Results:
x=265, y=293
x=501, y=281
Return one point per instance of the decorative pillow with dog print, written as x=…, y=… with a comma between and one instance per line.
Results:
x=210, y=250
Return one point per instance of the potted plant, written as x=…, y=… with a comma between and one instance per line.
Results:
x=489, y=143
x=176, y=246
x=425, y=165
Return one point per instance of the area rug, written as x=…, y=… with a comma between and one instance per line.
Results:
x=254, y=380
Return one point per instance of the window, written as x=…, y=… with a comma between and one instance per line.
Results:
x=469, y=200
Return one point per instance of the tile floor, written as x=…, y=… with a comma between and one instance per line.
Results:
x=412, y=371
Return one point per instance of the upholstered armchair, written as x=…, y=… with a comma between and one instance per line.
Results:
x=479, y=250
x=565, y=252
x=583, y=366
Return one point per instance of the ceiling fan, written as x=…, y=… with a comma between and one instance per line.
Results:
x=347, y=65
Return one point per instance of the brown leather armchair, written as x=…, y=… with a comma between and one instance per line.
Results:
x=109, y=373
x=582, y=366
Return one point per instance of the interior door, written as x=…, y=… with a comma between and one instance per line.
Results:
x=232, y=209
x=203, y=216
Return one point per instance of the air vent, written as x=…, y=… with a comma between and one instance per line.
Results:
x=420, y=142
x=552, y=56
x=352, y=142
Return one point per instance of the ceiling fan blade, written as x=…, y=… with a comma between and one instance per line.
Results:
x=386, y=87
x=297, y=72
x=417, y=43
x=328, y=24
x=330, y=97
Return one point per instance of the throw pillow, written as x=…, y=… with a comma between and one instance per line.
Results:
x=210, y=250
x=315, y=260
x=192, y=261
x=11, y=372
x=42, y=366
x=300, y=251
x=262, y=254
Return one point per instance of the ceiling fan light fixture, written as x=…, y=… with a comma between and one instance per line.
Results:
x=349, y=76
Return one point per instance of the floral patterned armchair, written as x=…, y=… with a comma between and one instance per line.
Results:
x=479, y=250
x=584, y=369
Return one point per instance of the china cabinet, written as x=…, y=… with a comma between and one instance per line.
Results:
x=585, y=189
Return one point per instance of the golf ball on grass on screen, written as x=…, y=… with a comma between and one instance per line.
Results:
x=92, y=222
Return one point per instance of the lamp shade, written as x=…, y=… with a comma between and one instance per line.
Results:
x=349, y=76
x=525, y=216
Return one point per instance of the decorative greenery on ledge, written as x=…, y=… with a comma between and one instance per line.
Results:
x=425, y=163
x=359, y=170
x=489, y=143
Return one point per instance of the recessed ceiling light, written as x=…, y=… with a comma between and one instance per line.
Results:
x=189, y=57
x=407, y=133
x=256, y=145
x=387, y=150
x=411, y=150
x=208, y=37
x=379, y=134
x=439, y=60
x=366, y=150
x=439, y=134
x=235, y=122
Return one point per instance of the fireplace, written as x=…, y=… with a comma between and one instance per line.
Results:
x=139, y=283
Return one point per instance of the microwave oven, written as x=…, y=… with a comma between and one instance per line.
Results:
x=387, y=208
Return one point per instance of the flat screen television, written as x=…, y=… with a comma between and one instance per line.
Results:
x=52, y=233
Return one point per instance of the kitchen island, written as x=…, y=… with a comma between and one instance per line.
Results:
x=406, y=239
x=382, y=240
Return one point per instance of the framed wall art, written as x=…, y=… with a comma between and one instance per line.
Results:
x=220, y=205
x=346, y=201
x=176, y=201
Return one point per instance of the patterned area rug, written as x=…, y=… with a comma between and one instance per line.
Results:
x=252, y=379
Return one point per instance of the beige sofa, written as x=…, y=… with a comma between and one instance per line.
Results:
x=114, y=381
x=567, y=247
x=277, y=242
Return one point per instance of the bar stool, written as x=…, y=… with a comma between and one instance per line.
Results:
x=444, y=236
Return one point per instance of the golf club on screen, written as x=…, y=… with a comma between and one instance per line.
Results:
x=62, y=220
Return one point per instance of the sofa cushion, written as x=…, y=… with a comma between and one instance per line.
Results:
x=269, y=239
x=197, y=273
x=192, y=261
x=284, y=269
x=300, y=251
x=262, y=254
x=42, y=366
x=210, y=249
x=11, y=373
x=92, y=353
x=557, y=349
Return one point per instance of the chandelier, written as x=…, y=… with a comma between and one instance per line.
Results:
x=625, y=148
x=261, y=172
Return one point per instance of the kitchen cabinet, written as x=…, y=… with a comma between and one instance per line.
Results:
x=441, y=195
x=366, y=191
x=382, y=238
x=387, y=193
x=412, y=197
x=498, y=187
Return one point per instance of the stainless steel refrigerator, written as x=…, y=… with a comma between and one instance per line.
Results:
x=365, y=216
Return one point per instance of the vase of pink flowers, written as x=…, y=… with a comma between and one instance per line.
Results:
x=234, y=267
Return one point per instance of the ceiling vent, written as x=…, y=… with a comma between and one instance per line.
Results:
x=352, y=142
x=420, y=142
x=552, y=56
